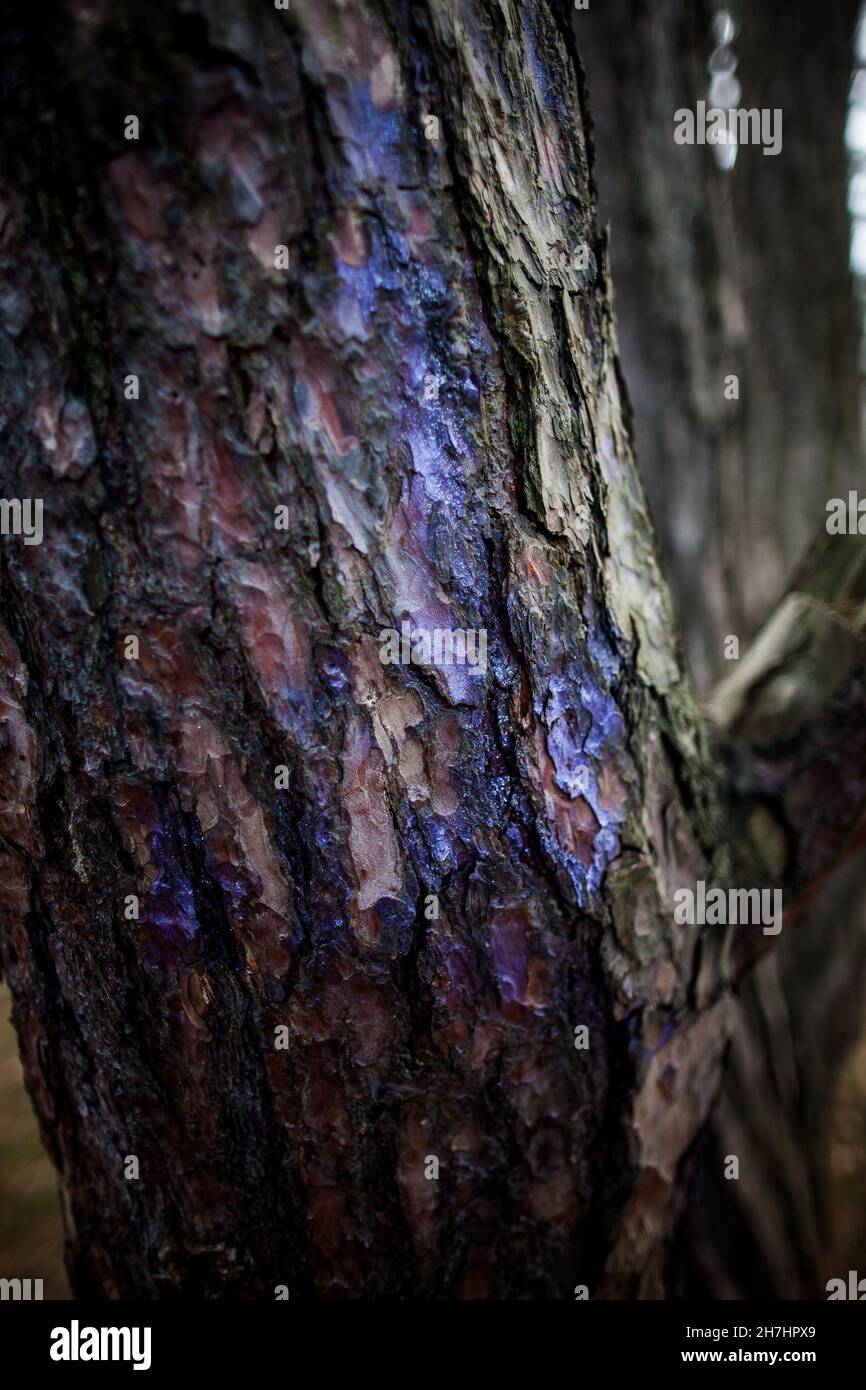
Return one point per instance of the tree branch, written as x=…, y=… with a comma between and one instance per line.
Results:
x=792, y=715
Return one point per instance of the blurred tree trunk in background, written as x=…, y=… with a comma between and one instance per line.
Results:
x=744, y=271
x=739, y=272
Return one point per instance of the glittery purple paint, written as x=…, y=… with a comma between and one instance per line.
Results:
x=170, y=904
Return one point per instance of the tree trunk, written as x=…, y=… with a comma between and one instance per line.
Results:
x=425, y=880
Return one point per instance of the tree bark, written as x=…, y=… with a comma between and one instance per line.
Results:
x=551, y=803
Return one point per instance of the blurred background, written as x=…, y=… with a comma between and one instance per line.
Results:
x=31, y=1244
x=728, y=262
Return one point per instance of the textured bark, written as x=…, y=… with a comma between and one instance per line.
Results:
x=512, y=504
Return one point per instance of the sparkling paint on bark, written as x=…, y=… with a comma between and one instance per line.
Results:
x=170, y=904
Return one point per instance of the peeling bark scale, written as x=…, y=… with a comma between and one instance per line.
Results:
x=457, y=869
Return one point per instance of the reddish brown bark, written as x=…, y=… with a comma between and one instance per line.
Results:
x=511, y=504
